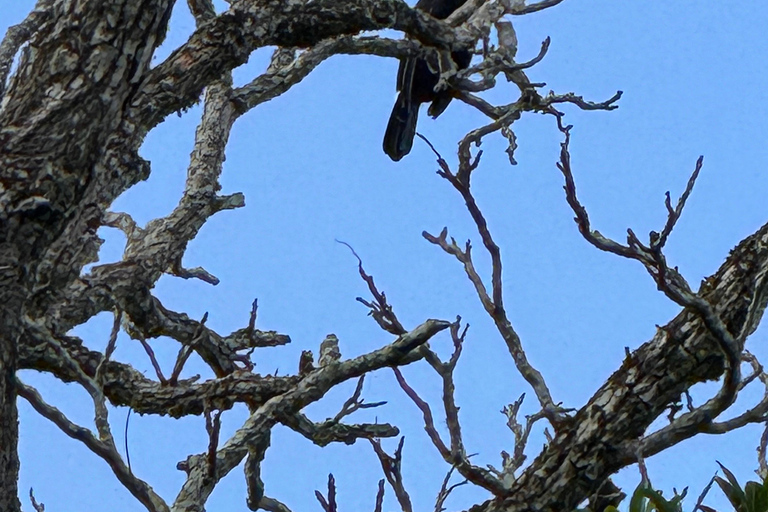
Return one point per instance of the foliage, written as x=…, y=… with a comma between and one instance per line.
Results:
x=752, y=498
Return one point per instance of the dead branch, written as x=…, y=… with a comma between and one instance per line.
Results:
x=355, y=402
x=272, y=505
x=456, y=455
x=255, y=498
x=493, y=304
x=391, y=467
x=331, y=431
x=676, y=288
x=761, y=449
x=184, y=352
x=308, y=389
x=379, y=497
x=104, y=448
x=380, y=309
x=328, y=505
x=445, y=490
x=39, y=507
x=212, y=427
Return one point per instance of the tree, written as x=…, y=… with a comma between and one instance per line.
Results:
x=74, y=115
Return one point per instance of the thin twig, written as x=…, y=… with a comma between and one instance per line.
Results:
x=381, y=311
x=103, y=448
x=354, y=402
x=152, y=358
x=761, y=449
x=185, y=351
x=493, y=303
x=379, y=497
x=445, y=490
x=125, y=440
x=328, y=505
x=98, y=375
x=392, y=471
x=39, y=507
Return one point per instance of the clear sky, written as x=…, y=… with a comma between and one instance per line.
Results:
x=312, y=170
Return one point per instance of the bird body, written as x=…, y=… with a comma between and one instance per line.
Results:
x=416, y=84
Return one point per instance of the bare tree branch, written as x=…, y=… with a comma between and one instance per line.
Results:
x=104, y=448
x=39, y=507
x=391, y=467
x=328, y=505
x=493, y=304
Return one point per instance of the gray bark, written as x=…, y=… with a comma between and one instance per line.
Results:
x=71, y=121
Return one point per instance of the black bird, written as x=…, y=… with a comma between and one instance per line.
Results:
x=416, y=83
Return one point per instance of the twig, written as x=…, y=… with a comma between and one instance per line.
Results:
x=185, y=351
x=674, y=214
x=330, y=504
x=445, y=490
x=669, y=281
x=331, y=431
x=391, y=467
x=354, y=402
x=39, y=507
x=125, y=440
x=254, y=314
x=456, y=455
x=521, y=434
x=272, y=505
x=761, y=449
x=493, y=303
x=103, y=448
x=609, y=104
x=379, y=497
x=176, y=269
x=152, y=358
x=429, y=423
x=110, y=347
x=255, y=498
x=381, y=311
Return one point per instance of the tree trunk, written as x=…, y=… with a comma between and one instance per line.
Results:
x=9, y=421
x=66, y=151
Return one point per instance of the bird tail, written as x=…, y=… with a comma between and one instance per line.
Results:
x=401, y=128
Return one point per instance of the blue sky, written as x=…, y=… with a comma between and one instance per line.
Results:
x=311, y=168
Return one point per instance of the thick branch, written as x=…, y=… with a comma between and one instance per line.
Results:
x=311, y=388
x=228, y=40
x=682, y=353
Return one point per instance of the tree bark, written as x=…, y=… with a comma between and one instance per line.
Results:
x=71, y=123
x=9, y=420
x=62, y=136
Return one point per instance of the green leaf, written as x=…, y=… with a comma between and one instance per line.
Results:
x=637, y=503
x=756, y=497
x=735, y=493
x=730, y=476
x=660, y=503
